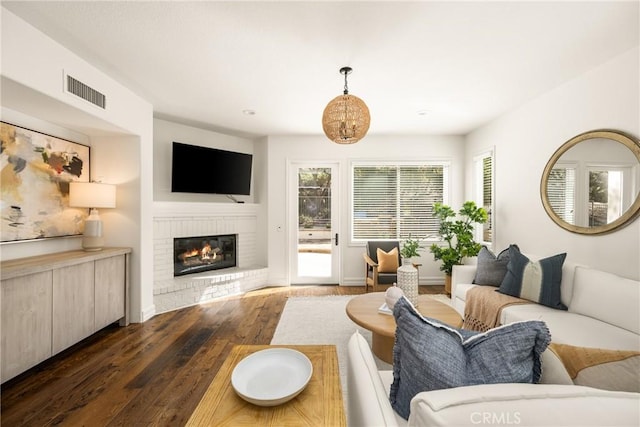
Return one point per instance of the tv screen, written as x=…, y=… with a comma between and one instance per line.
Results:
x=196, y=169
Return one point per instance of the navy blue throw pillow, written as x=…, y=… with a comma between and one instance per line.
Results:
x=537, y=281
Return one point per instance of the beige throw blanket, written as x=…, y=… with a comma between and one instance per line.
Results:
x=483, y=307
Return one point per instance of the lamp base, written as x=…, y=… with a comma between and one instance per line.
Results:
x=92, y=243
x=92, y=239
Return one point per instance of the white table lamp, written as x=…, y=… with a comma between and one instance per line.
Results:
x=92, y=195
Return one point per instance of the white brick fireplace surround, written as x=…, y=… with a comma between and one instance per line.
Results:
x=172, y=219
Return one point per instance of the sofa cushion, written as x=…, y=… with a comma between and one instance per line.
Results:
x=460, y=297
x=462, y=274
x=491, y=269
x=616, y=370
x=387, y=379
x=428, y=355
x=553, y=370
x=387, y=278
x=537, y=281
x=605, y=296
x=526, y=405
x=366, y=385
x=566, y=286
x=387, y=261
x=572, y=328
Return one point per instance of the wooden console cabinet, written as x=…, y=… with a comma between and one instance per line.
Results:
x=51, y=302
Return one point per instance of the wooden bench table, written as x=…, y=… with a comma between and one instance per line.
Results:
x=319, y=404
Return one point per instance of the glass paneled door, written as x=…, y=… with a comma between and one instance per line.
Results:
x=314, y=234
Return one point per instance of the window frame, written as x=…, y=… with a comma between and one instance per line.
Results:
x=478, y=195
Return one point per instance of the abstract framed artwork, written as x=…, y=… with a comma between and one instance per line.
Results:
x=35, y=172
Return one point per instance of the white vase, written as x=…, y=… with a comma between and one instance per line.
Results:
x=408, y=281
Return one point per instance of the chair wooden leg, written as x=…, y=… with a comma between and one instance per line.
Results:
x=366, y=278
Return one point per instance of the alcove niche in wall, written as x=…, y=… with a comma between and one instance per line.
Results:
x=115, y=158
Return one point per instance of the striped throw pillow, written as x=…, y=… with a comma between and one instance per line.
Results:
x=537, y=281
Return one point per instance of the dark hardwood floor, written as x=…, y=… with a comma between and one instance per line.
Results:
x=152, y=373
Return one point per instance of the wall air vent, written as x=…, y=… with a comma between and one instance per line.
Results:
x=85, y=92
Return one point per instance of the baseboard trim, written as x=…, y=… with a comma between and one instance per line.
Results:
x=147, y=314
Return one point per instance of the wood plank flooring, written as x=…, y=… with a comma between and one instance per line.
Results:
x=152, y=373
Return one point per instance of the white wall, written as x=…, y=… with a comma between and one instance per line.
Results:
x=166, y=132
x=525, y=139
x=32, y=71
x=260, y=194
x=285, y=149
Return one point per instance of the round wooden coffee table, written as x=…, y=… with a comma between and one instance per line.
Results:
x=363, y=310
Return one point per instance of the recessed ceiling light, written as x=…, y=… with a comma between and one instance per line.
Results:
x=249, y=112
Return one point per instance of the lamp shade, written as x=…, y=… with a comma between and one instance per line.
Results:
x=92, y=195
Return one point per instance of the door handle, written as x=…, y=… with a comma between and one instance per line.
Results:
x=336, y=239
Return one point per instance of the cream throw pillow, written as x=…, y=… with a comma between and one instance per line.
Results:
x=387, y=261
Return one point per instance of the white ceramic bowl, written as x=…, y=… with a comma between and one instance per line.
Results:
x=272, y=376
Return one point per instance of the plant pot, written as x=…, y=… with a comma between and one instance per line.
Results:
x=447, y=284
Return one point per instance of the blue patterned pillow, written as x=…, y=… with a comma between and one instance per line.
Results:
x=537, y=281
x=428, y=355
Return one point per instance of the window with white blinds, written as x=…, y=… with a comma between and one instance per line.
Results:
x=393, y=201
x=487, y=182
x=483, y=195
x=561, y=191
x=487, y=198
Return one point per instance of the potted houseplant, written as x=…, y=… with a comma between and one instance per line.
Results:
x=410, y=248
x=408, y=272
x=457, y=231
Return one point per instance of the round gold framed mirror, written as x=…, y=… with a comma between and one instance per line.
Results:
x=591, y=184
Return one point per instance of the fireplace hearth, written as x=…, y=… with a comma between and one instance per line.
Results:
x=203, y=253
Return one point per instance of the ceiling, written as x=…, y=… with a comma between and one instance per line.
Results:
x=430, y=67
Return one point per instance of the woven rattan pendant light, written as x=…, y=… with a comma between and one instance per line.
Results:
x=346, y=118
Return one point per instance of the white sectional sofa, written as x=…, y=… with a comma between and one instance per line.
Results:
x=604, y=312
x=604, y=309
x=489, y=404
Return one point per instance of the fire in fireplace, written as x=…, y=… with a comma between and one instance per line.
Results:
x=196, y=254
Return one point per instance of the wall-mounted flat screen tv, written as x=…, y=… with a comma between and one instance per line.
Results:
x=196, y=169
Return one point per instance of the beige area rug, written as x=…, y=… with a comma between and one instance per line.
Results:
x=323, y=320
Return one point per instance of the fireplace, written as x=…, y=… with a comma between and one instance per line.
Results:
x=197, y=254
